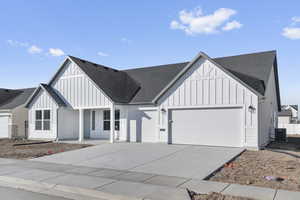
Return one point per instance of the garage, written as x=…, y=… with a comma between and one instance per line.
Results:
x=207, y=126
x=148, y=125
x=4, y=126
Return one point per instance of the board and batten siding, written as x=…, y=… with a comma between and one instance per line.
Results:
x=43, y=102
x=269, y=110
x=204, y=84
x=78, y=91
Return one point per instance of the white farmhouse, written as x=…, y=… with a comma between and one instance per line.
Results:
x=229, y=101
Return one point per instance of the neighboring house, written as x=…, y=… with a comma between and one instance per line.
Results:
x=288, y=119
x=294, y=111
x=285, y=117
x=230, y=101
x=13, y=114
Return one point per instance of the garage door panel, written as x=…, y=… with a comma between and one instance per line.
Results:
x=4, y=126
x=216, y=127
x=149, y=126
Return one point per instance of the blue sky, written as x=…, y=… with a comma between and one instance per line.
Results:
x=36, y=35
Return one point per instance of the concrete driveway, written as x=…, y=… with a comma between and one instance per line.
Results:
x=184, y=161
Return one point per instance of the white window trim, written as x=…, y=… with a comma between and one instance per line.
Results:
x=108, y=120
x=42, y=120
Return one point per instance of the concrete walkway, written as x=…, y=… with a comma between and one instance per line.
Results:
x=120, y=184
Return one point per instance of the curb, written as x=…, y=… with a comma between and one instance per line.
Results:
x=75, y=193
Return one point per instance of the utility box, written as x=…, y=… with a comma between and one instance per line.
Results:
x=280, y=135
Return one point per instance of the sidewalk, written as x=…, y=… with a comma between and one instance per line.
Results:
x=79, y=182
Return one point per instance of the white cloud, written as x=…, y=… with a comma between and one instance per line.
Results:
x=102, y=54
x=125, y=40
x=17, y=43
x=56, y=52
x=295, y=20
x=232, y=25
x=34, y=49
x=291, y=33
x=194, y=22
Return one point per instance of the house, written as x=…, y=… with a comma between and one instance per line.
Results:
x=229, y=101
x=13, y=114
x=285, y=117
x=293, y=109
x=288, y=119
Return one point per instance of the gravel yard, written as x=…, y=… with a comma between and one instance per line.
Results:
x=10, y=148
x=218, y=196
x=278, y=167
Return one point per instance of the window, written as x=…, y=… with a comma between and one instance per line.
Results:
x=93, y=119
x=38, y=120
x=46, y=120
x=106, y=120
x=42, y=120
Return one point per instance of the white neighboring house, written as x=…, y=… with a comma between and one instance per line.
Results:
x=293, y=109
x=229, y=101
x=288, y=119
x=13, y=115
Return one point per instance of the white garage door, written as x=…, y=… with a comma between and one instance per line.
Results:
x=149, y=126
x=3, y=126
x=215, y=127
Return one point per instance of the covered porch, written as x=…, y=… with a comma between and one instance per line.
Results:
x=98, y=124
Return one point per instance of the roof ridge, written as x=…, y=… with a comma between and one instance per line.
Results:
x=154, y=66
x=246, y=54
x=93, y=63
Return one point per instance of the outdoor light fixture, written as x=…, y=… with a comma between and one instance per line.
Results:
x=163, y=110
x=251, y=108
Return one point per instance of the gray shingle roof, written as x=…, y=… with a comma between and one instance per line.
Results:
x=286, y=107
x=285, y=113
x=153, y=80
x=10, y=99
x=53, y=94
x=118, y=85
x=294, y=106
x=257, y=65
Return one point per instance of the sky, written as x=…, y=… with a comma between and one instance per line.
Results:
x=36, y=36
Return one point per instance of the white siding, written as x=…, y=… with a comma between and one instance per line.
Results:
x=68, y=129
x=134, y=123
x=284, y=120
x=77, y=89
x=42, y=102
x=268, y=115
x=207, y=85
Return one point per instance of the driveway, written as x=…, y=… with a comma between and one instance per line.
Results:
x=184, y=161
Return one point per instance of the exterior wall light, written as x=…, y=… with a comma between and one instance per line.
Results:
x=163, y=110
x=251, y=108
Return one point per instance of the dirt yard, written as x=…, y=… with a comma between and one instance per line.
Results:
x=218, y=196
x=278, y=166
x=10, y=148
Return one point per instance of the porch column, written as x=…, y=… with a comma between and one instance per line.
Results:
x=158, y=125
x=81, y=125
x=112, y=123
